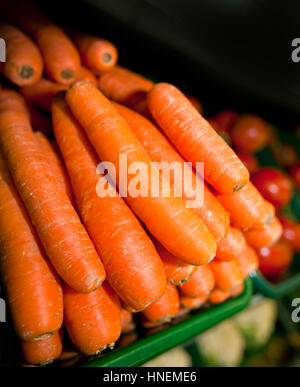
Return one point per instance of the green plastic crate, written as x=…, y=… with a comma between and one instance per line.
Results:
x=148, y=347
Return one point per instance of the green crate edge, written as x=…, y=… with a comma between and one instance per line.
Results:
x=148, y=347
x=261, y=284
x=275, y=291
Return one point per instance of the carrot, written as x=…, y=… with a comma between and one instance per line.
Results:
x=228, y=274
x=177, y=271
x=237, y=291
x=12, y=100
x=50, y=150
x=179, y=229
x=231, y=246
x=127, y=322
x=135, y=78
x=62, y=234
x=247, y=207
x=24, y=64
x=162, y=310
x=266, y=219
x=266, y=237
x=42, y=92
x=160, y=150
x=86, y=75
x=195, y=139
x=192, y=302
x=93, y=320
x=133, y=267
x=218, y=296
x=248, y=261
x=33, y=290
x=124, y=86
x=97, y=54
x=61, y=58
x=200, y=284
x=43, y=352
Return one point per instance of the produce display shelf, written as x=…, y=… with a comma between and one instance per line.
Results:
x=292, y=281
x=148, y=347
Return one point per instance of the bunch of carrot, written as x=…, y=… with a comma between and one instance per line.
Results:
x=71, y=256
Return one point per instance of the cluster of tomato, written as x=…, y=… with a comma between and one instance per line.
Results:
x=249, y=134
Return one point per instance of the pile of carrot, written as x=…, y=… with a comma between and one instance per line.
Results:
x=91, y=265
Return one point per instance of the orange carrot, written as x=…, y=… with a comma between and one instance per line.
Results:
x=218, y=296
x=247, y=207
x=42, y=92
x=238, y=290
x=133, y=267
x=160, y=150
x=61, y=58
x=266, y=237
x=192, y=302
x=97, y=54
x=50, y=150
x=177, y=271
x=93, y=320
x=33, y=289
x=195, y=139
x=231, y=246
x=127, y=322
x=163, y=310
x=11, y=100
x=86, y=75
x=266, y=219
x=43, y=351
x=24, y=65
x=124, y=86
x=248, y=261
x=62, y=234
x=179, y=229
x=228, y=274
x=200, y=284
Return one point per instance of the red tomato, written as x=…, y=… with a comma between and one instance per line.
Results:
x=250, y=134
x=291, y=232
x=274, y=185
x=226, y=118
x=275, y=260
x=286, y=155
x=195, y=102
x=250, y=161
x=295, y=174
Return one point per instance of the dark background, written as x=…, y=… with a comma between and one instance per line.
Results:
x=230, y=53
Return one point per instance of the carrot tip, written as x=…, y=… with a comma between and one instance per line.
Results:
x=211, y=259
x=44, y=336
x=269, y=219
x=67, y=74
x=182, y=281
x=26, y=72
x=107, y=57
x=238, y=187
